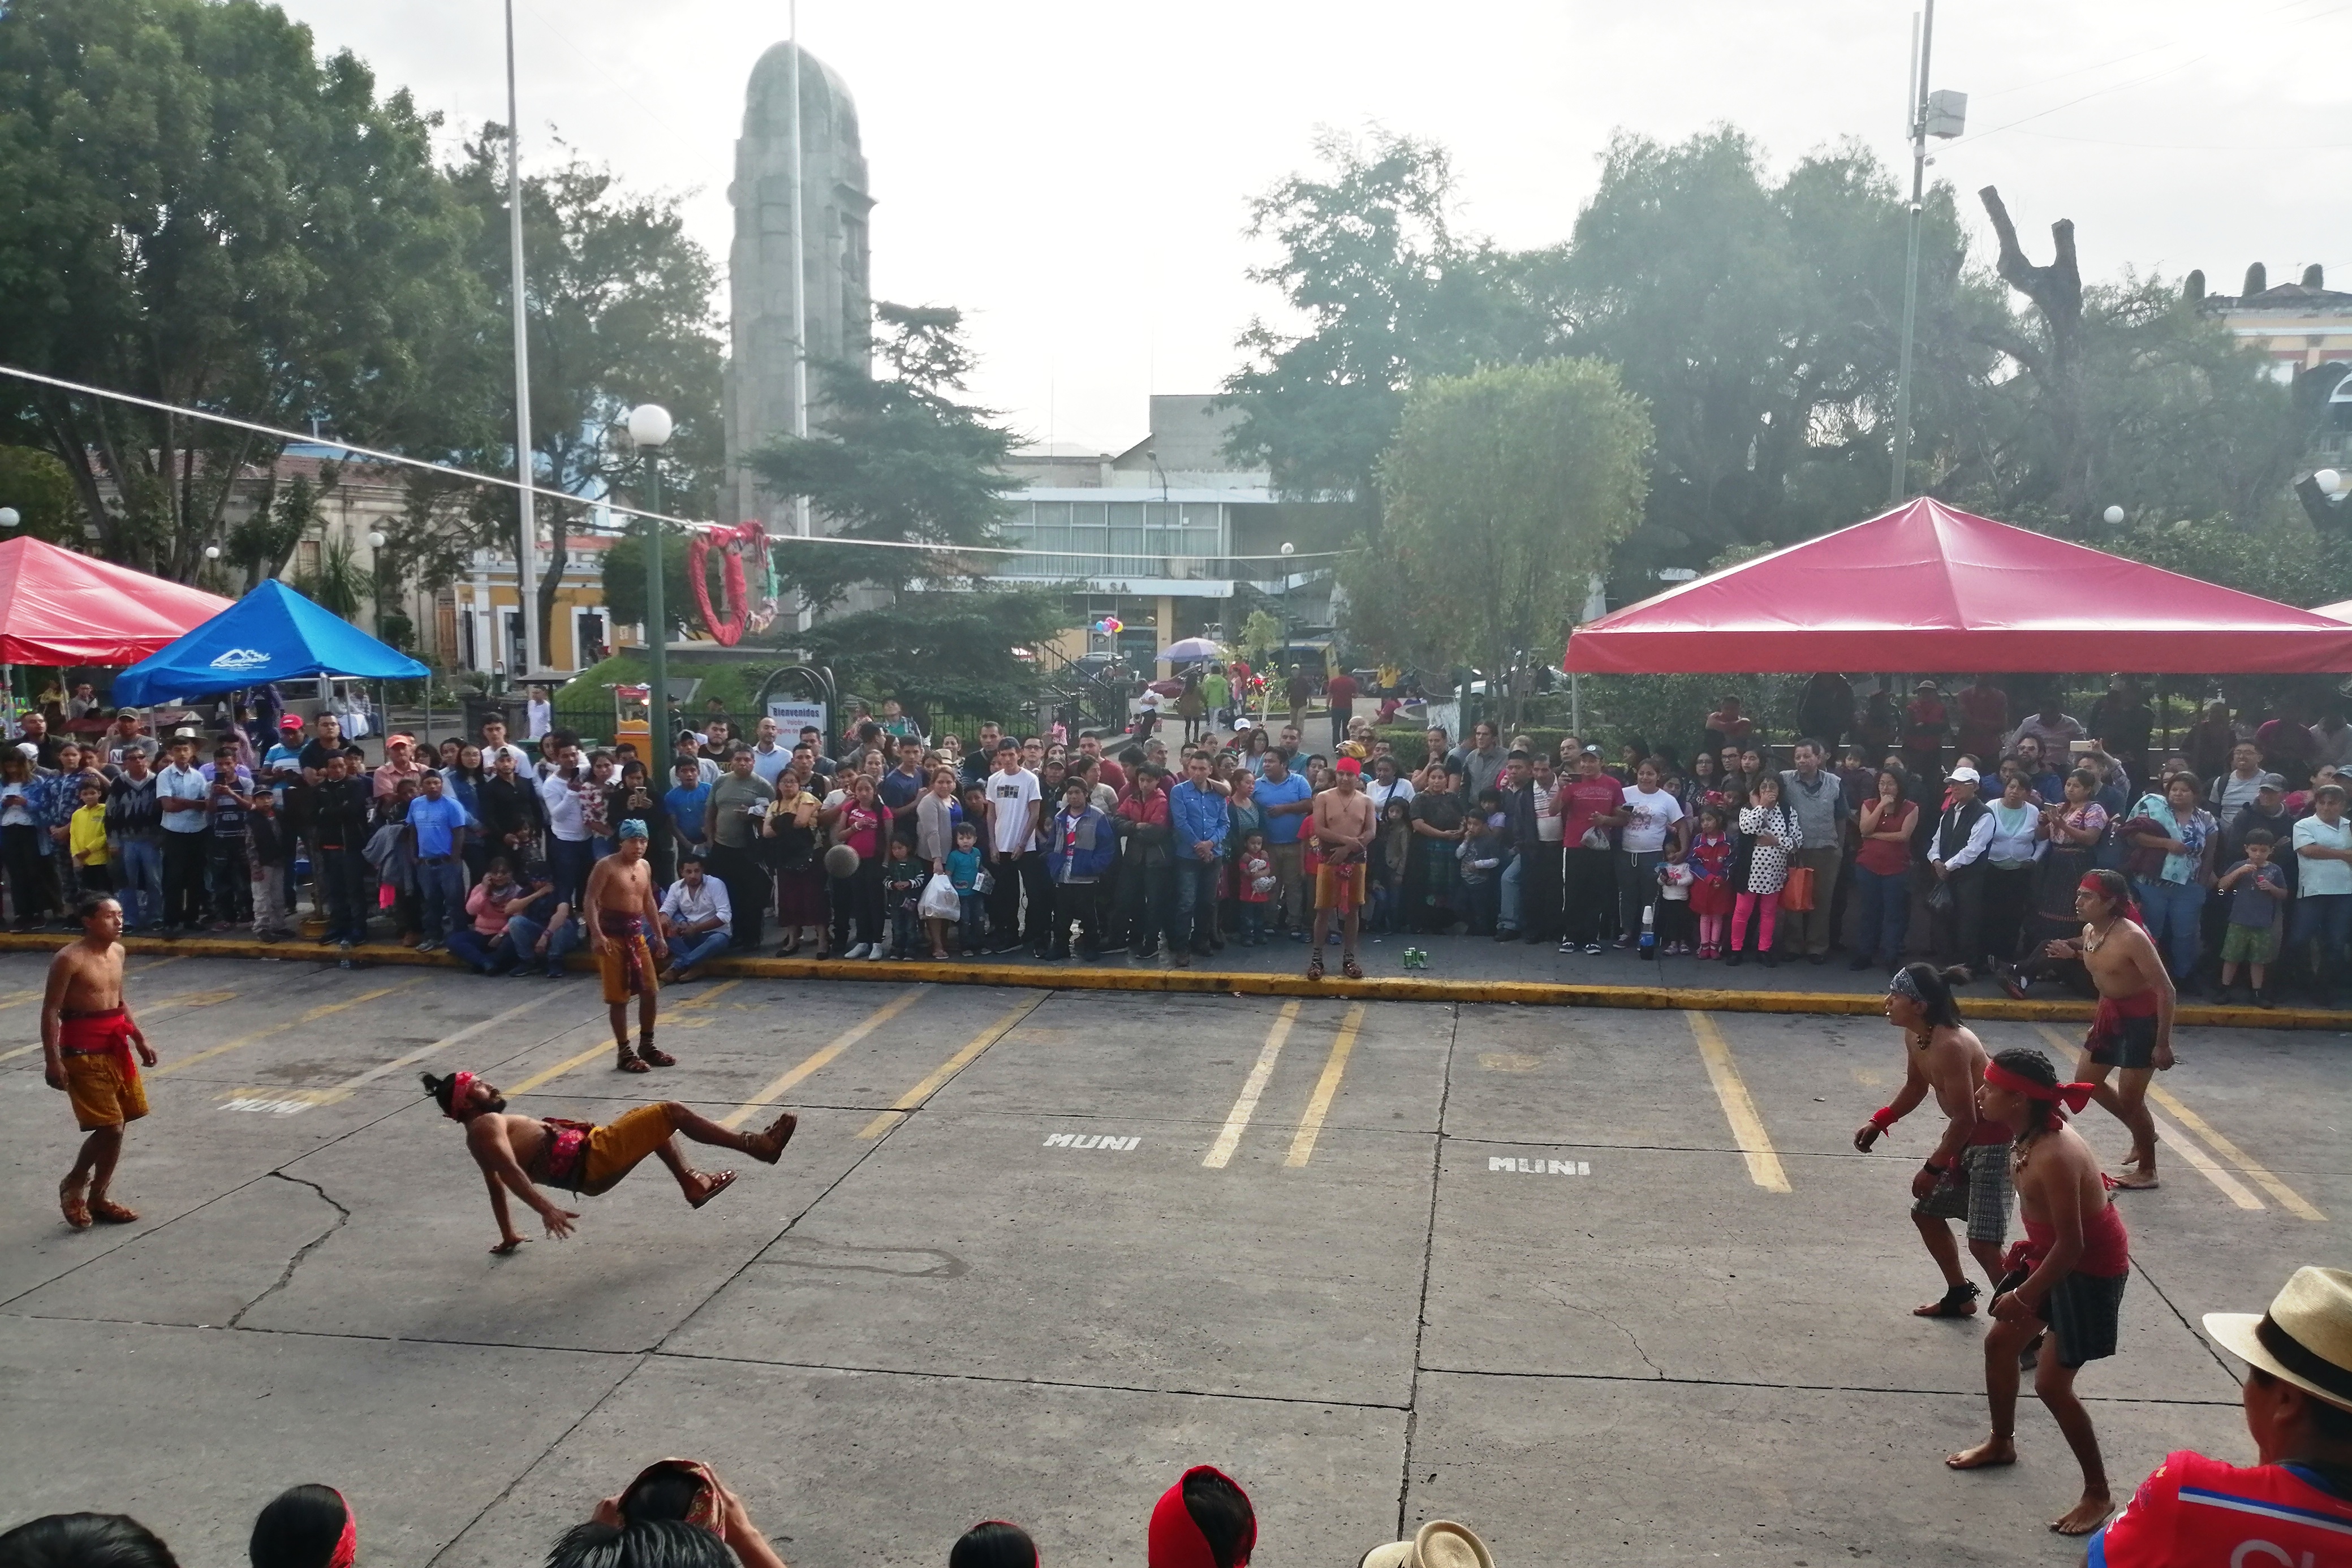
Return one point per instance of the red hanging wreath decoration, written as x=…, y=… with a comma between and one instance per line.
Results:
x=733, y=545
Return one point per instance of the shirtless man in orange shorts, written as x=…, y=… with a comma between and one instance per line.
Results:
x=624, y=932
x=87, y=1037
x=517, y=1153
x=1343, y=824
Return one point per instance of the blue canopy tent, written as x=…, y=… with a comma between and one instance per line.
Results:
x=271, y=634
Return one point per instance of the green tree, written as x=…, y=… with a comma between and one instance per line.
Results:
x=39, y=487
x=898, y=458
x=1761, y=319
x=1390, y=292
x=2126, y=394
x=950, y=652
x=1505, y=490
x=618, y=314
x=204, y=212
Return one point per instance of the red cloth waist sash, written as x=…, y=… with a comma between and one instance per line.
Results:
x=2106, y=1249
x=98, y=1034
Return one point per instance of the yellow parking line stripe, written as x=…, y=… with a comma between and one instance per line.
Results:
x=1238, y=1121
x=1319, y=1105
x=312, y=1016
x=549, y=1075
x=947, y=1069
x=187, y=999
x=2288, y=1198
x=2231, y=1188
x=822, y=1055
x=705, y=998
x=1738, y=1108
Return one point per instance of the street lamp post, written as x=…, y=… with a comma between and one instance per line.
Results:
x=649, y=431
x=1941, y=115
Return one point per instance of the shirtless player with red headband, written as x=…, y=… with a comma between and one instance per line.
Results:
x=2131, y=1036
x=2065, y=1279
x=86, y=1037
x=516, y=1153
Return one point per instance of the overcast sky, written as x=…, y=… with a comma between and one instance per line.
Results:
x=1075, y=175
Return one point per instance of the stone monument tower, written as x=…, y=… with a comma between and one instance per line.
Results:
x=831, y=254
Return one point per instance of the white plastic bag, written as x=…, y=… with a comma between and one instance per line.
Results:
x=939, y=902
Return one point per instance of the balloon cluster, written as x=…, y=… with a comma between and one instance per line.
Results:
x=1110, y=625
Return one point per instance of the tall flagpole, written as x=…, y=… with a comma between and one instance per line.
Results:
x=526, y=546
x=800, y=287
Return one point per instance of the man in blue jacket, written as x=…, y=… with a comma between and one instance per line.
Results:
x=1080, y=844
x=1196, y=823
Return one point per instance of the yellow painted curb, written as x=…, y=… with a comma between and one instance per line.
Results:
x=1209, y=982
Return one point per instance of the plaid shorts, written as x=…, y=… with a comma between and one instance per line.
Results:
x=1977, y=1190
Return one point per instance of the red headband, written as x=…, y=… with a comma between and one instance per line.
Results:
x=458, y=1084
x=1176, y=1539
x=2075, y=1096
x=2125, y=908
x=347, y=1547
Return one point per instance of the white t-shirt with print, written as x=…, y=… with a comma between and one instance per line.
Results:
x=1655, y=811
x=1009, y=798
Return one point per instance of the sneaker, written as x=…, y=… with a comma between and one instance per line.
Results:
x=1621, y=943
x=874, y=950
x=1568, y=945
x=858, y=952
x=345, y=944
x=1593, y=949
x=1734, y=959
x=428, y=945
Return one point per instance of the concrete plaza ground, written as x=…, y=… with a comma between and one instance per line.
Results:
x=1612, y=1286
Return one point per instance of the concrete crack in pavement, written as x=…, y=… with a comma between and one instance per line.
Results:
x=343, y=1218
x=1630, y=1337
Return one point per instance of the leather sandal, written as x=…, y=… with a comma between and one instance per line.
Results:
x=76, y=1208
x=629, y=1062
x=654, y=1059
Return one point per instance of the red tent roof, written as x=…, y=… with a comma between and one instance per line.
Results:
x=57, y=607
x=1925, y=587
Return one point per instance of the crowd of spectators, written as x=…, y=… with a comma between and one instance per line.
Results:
x=1941, y=822
x=678, y=1513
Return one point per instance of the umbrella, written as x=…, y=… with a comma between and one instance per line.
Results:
x=1192, y=648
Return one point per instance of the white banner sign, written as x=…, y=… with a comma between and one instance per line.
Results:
x=791, y=717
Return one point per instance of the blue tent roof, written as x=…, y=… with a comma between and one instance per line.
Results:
x=271, y=634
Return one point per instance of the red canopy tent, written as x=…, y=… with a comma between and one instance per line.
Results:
x=1925, y=587
x=57, y=607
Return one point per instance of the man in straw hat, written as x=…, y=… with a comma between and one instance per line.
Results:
x=2293, y=1508
x=1440, y=1543
x=2065, y=1279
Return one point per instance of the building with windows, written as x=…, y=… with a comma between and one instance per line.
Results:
x=1160, y=537
x=2304, y=330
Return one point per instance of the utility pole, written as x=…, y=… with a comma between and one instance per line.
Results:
x=1942, y=115
x=526, y=537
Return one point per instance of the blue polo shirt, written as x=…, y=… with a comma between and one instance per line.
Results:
x=437, y=823
x=1289, y=791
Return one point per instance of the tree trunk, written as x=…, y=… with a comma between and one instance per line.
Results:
x=2057, y=291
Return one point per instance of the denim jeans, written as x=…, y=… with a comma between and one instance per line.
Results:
x=1196, y=903
x=2172, y=910
x=1507, y=919
x=1253, y=921
x=686, y=952
x=968, y=920
x=1882, y=917
x=482, y=954
x=140, y=887
x=441, y=885
x=571, y=860
x=2327, y=920
x=524, y=933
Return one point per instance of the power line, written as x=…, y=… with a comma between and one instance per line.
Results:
x=448, y=470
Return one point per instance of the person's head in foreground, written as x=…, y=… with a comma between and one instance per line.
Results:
x=2294, y=1506
x=993, y=1543
x=309, y=1526
x=1202, y=1521
x=84, y=1540
x=1440, y=1543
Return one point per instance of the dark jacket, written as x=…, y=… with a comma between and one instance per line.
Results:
x=1079, y=848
